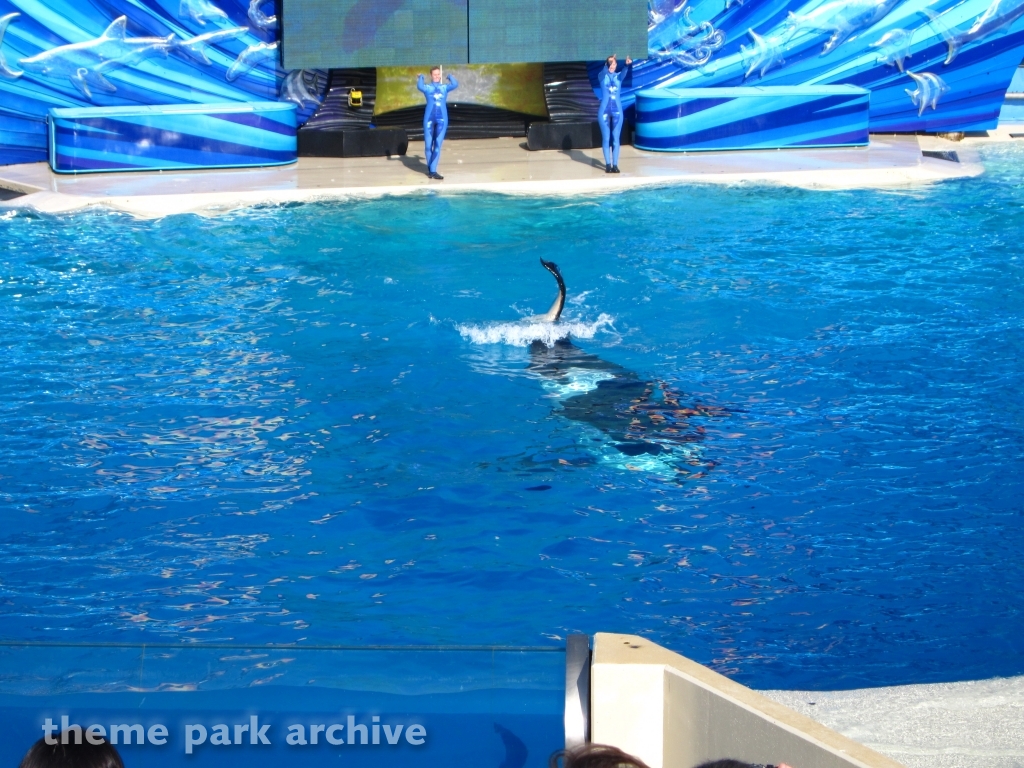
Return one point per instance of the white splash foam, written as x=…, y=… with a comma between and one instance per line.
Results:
x=576, y=381
x=524, y=333
x=661, y=466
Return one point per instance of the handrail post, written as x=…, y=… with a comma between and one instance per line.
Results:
x=577, y=691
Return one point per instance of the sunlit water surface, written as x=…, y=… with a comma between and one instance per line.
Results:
x=307, y=424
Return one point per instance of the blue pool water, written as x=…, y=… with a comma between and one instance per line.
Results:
x=308, y=424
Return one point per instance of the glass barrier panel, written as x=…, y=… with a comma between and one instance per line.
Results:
x=170, y=706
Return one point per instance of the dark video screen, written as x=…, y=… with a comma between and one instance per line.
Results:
x=556, y=30
x=326, y=34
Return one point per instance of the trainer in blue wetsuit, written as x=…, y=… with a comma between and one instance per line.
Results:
x=435, y=118
x=609, y=113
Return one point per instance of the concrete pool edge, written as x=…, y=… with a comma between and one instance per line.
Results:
x=969, y=724
x=497, y=166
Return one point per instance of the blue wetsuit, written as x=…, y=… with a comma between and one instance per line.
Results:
x=609, y=114
x=435, y=119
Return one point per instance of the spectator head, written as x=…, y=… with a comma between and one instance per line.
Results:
x=595, y=756
x=71, y=755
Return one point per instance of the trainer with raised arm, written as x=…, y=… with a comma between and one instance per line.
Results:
x=609, y=113
x=435, y=119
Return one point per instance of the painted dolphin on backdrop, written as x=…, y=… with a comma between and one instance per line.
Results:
x=894, y=47
x=295, y=90
x=765, y=53
x=195, y=47
x=200, y=11
x=997, y=17
x=251, y=58
x=5, y=69
x=259, y=19
x=87, y=63
x=843, y=18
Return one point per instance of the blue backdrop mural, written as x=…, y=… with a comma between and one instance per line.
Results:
x=935, y=65
x=931, y=65
x=88, y=53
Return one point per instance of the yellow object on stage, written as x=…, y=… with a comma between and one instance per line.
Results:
x=355, y=98
x=515, y=87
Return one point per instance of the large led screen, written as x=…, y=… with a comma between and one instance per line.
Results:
x=323, y=34
x=556, y=30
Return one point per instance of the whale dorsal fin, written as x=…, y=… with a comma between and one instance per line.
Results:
x=117, y=29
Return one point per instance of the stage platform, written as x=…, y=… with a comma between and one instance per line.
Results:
x=488, y=165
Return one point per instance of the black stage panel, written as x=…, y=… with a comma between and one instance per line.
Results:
x=581, y=135
x=357, y=142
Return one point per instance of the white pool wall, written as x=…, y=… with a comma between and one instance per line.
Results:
x=675, y=713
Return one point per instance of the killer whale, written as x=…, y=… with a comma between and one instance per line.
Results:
x=638, y=416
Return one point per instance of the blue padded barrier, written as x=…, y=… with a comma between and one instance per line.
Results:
x=172, y=137
x=701, y=119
